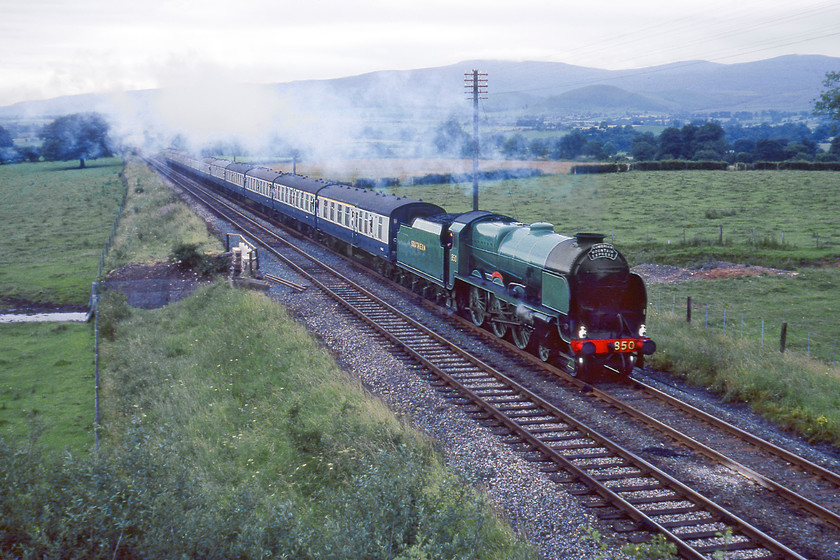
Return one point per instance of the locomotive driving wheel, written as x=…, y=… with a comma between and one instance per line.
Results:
x=478, y=306
x=496, y=309
x=521, y=336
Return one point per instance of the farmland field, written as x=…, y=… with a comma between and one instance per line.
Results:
x=795, y=213
x=54, y=220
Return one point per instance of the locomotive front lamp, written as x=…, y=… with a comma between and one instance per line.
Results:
x=582, y=332
x=642, y=330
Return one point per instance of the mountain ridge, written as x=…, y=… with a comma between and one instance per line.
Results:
x=334, y=111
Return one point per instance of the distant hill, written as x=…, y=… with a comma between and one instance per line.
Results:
x=787, y=83
x=354, y=110
x=607, y=100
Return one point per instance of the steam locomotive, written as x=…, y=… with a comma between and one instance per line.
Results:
x=571, y=300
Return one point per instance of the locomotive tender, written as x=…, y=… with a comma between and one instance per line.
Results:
x=568, y=299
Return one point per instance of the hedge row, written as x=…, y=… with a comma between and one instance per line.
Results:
x=796, y=165
x=682, y=165
x=447, y=178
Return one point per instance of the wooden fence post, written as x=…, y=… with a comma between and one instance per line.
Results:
x=783, y=341
x=688, y=310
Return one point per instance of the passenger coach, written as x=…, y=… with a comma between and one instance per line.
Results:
x=367, y=219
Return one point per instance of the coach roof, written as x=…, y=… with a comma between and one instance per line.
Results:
x=263, y=173
x=216, y=161
x=240, y=167
x=385, y=204
x=302, y=183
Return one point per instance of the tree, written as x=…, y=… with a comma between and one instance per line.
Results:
x=767, y=149
x=688, y=134
x=515, y=147
x=79, y=136
x=450, y=137
x=6, y=140
x=644, y=147
x=539, y=148
x=670, y=144
x=709, y=142
x=829, y=101
x=571, y=145
x=8, y=152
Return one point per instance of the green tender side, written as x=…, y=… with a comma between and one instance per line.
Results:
x=419, y=250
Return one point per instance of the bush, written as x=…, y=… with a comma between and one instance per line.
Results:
x=188, y=255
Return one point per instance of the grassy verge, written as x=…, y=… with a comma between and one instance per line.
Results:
x=46, y=383
x=790, y=389
x=154, y=221
x=54, y=221
x=232, y=434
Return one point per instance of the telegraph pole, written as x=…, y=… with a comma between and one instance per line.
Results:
x=475, y=82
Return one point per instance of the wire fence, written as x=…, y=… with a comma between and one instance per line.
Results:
x=93, y=304
x=110, y=242
x=779, y=335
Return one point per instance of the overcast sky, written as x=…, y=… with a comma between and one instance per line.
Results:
x=50, y=48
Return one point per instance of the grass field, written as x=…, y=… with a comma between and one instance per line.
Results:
x=54, y=221
x=768, y=217
x=46, y=381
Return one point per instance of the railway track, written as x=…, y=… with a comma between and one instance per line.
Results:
x=630, y=490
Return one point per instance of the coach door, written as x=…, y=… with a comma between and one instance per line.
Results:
x=356, y=220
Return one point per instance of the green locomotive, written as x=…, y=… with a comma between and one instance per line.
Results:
x=570, y=299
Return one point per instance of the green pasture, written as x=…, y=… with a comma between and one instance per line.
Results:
x=46, y=383
x=754, y=308
x=54, y=221
x=786, y=217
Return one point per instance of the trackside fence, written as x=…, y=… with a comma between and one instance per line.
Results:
x=104, y=254
x=94, y=311
x=778, y=335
